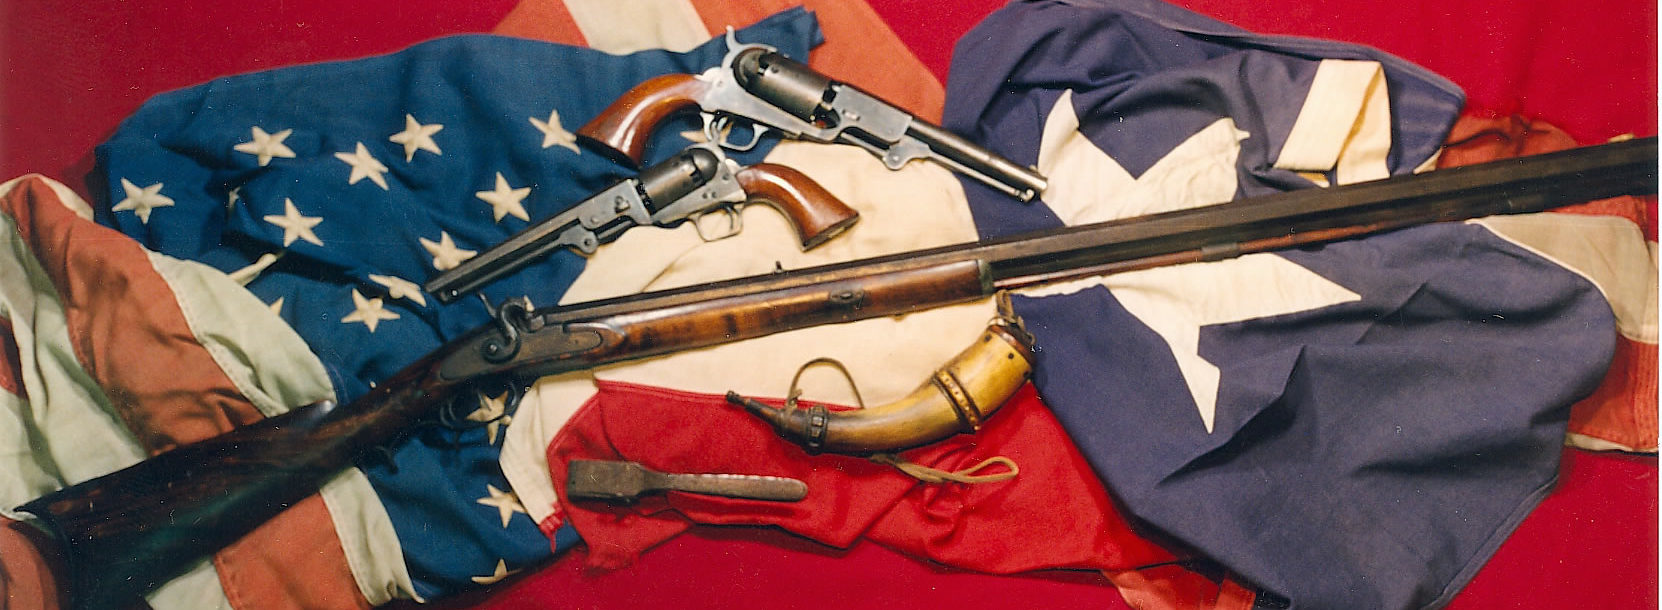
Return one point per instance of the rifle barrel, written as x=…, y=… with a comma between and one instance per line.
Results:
x=128, y=531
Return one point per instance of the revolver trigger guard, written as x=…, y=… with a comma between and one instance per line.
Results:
x=735, y=223
x=720, y=131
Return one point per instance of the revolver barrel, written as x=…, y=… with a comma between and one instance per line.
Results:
x=851, y=115
x=583, y=227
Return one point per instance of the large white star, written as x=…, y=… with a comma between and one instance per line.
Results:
x=142, y=200
x=364, y=165
x=369, y=311
x=417, y=137
x=1088, y=186
x=294, y=225
x=506, y=200
x=445, y=253
x=506, y=503
x=553, y=133
x=266, y=146
x=400, y=288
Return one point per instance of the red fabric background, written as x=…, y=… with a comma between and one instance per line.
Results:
x=70, y=71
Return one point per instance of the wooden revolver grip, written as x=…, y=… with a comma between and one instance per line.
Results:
x=814, y=212
x=622, y=129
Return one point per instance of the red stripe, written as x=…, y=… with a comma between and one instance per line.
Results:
x=1623, y=408
x=546, y=20
x=292, y=561
x=125, y=326
x=130, y=335
x=31, y=578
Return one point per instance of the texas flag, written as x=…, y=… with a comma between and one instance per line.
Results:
x=1355, y=425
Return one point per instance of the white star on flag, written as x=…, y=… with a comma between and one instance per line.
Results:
x=400, y=288
x=369, y=311
x=266, y=146
x=492, y=413
x=553, y=133
x=445, y=253
x=232, y=198
x=506, y=200
x=364, y=166
x=142, y=200
x=505, y=502
x=294, y=225
x=417, y=137
x=501, y=573
x=1175, y=302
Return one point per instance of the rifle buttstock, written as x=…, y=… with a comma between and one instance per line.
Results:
x=127, y=532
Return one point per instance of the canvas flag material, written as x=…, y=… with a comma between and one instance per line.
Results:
x=332, y=190
x=115, y=353
x=1605, y=241
x=1356, y=425
x=653, y=410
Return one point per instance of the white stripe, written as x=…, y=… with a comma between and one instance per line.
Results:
x=266, y=360
x=70, y=421
x=367, y=536
x=1610, y=251
x=79, y=435
x=24, y=474
x=274, y=368
x=197, y=589
x=626, y=26
x=1593, y=443
x=544, y=410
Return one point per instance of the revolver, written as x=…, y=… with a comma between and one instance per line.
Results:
x=757, y=85
x=698, y=181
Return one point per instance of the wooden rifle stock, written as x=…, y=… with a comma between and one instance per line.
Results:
x=128, y=531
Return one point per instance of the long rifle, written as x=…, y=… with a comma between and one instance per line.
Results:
x=125, y=533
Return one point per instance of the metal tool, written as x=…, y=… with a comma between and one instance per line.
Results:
x=617, y=481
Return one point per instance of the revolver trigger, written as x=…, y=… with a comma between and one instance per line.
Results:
x=721, y=130
x=735, y=223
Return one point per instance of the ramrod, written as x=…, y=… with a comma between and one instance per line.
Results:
x=125, y=533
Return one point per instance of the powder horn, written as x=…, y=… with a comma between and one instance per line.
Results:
x=958, y=397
